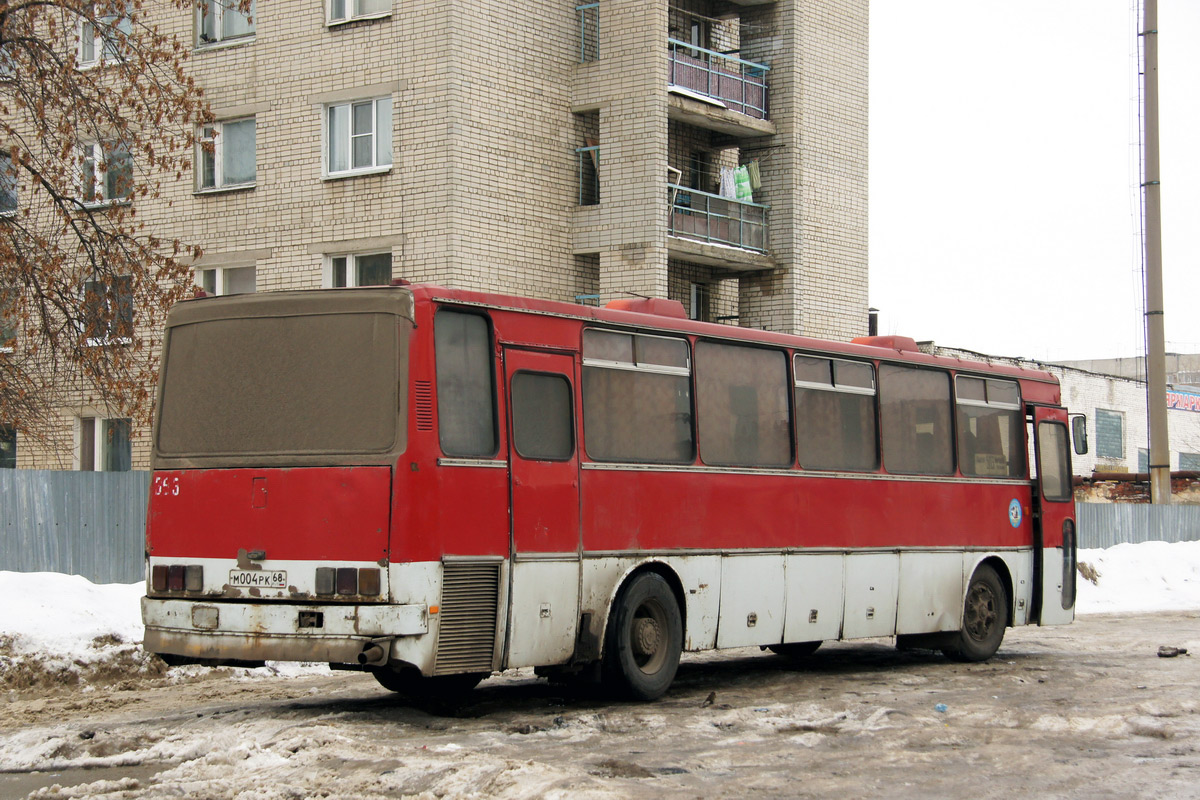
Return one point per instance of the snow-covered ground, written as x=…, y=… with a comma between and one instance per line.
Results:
x=69, y=619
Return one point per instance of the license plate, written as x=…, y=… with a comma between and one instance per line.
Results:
x=258, y=578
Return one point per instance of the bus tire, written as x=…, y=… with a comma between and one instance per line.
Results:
x=644, y=639
x=795, y=649
x=985, y=616
x=409, y=682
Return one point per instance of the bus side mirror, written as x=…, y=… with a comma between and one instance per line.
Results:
x=1079, y=434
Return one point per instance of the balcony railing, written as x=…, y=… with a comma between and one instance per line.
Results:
x=739, y=85
x=589, y=30
x=714, y=219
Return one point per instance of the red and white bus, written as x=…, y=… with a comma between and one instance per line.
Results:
x=433, y=484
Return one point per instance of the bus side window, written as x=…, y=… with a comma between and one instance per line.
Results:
x=835, y=414
x=991, y=428
x=742, y=405
x=637, y=399
x=915, y=414
x=466, y=394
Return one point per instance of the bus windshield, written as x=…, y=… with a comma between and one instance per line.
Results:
x=302, y=384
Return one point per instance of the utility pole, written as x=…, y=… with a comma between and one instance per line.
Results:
x=1156, y=357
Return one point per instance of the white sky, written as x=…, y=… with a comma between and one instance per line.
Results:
x=1004, y=174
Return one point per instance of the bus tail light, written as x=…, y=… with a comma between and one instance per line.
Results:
x=368, y=581
x=177, y=578
x=347, y=580
x=325, y=580
x=158, y=578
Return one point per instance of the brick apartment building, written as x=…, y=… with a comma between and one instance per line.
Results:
x=560, y=150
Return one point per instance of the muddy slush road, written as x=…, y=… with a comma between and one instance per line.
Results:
x=1086, y=711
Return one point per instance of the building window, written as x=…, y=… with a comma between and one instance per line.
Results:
x=1189, y=462
x=104, y=445
x=359, y=269
x=102, y=38
x=358, y=136
x=1110, y=434
x=225, y=156
x=227, y=280
x=1143, y=460
x=108, y=311
x=8, y=319
x=8, y=447
x=349, y=10
x=105, y=173
x=8, y=185
x=222, y=21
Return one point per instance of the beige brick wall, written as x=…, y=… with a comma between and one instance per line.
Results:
x=489, y=102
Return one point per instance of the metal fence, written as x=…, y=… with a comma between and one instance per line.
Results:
x=81, y=523
x=1108, y=524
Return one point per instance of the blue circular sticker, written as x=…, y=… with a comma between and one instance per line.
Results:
x=1014, y=513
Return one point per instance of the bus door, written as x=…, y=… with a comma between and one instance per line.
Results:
x=544, y=473
x=1055, y=539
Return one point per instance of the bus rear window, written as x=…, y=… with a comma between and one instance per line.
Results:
x=465, y=384
x=268, y=386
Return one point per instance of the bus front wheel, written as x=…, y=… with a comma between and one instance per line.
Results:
x=644, y=639
x=985, y=616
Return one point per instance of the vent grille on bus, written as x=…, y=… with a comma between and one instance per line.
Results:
x=423, y=392
x=467, y=631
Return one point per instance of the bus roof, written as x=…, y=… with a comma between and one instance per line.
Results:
x=885, y=348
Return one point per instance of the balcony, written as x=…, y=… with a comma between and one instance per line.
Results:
x=719, y=231
x=719, y=79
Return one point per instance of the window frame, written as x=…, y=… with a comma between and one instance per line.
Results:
x=97, y=154
x=108, y=338
x=570, y=407
x=988, y=403
x=104, y=49
x=494, y=385
x=376, y=168
x=1110, y=414
x=100, y=442
x=8, y=434
x=944, y=403
x=837, y=388
x=333, y=22
x=329, y=273
x=219, y=287
x=222, y=40
x=764, y=436
x=9, y=180
x=9, y=331
x=218, y=157
x=645, y=368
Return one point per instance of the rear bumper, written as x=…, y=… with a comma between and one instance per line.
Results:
x=274, y=631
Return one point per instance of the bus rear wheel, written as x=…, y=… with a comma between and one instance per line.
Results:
x=985, y=616
x=644, y=639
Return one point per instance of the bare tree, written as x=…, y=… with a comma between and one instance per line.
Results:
x=96, y=111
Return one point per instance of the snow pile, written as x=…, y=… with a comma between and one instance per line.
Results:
x=1152, y=576
x=63, y=628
